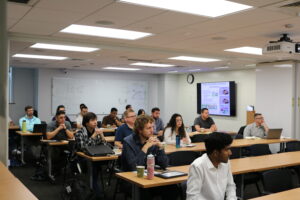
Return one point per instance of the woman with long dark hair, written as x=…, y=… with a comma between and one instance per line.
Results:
x=176, y=127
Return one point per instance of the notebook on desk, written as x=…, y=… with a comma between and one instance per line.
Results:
x=274, y=133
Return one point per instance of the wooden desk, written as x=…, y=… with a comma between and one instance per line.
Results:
x=97, y=158
x=110, y=138
x=200, y=146
x=50, y=145
x=5, y=173
x=15, y=127
x=11, y=187
x=238, y=167
x=198, y=133
x=14, y=189
x=293, y=194
x=109, y=130
x=91, y=159
x=25, y=134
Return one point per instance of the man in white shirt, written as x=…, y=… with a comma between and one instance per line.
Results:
x=210, y=176
x=83, y=111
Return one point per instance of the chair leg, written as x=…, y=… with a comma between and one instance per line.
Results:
x=258, y=189
x=116, y=189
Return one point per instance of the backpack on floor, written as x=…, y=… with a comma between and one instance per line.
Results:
x=75, y=189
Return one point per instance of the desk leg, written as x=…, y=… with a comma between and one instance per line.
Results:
x=240, y=186
x=22, y=150
x=50, y=162
x=135, y=192
x=90, y=168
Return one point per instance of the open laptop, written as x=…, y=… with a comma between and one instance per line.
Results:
x=40, y=128
x=274, y=133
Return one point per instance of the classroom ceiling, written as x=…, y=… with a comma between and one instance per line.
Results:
x=174, y=34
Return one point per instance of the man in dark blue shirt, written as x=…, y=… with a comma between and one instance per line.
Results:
x=137, y=146
x=125, y=129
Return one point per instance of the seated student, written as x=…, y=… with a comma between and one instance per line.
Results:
x=137, y=146
x=61, y=108
x=90, y=135
x=127, y=107
x=205, y=121
x=176, y=127
x=141, y=112
x=29, y=118
x=59, y=129
x=10, y=122
x=258, y=128
x=158, y=123
x=210, y=175
x=111, y=119
x=126, y=129
x=83, y=110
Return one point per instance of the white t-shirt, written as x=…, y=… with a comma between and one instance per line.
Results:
x=170, y=138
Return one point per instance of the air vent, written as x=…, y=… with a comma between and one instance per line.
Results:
x=273, y=48
x=19, y=1
x=138, y=60
x=292, y=5
x=77, y=59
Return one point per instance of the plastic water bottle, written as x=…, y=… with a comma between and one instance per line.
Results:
x=150, y=166
x=24, y=128
x=177, y=141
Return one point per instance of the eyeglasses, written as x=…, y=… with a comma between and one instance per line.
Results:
x=259, y=118
x=131, y=116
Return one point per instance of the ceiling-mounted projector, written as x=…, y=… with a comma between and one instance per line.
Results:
x=282, y=47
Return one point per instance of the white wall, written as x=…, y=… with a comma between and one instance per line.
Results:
x=23, y=89
x=187, y=96
x=44, y=87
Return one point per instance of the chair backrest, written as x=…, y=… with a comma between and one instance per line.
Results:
x=236, y=152
x=277, y=180
x=292, y=146
x=99, y=124
x=74, y=125
x=259, y=150
x=199, y=138
x=43, y=122
x=182, y=157
x=193, y=128
x=241, y=130
x=239, y=136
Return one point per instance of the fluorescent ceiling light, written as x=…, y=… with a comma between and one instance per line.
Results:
x=105, y=32
x=194, y=59
x=194, y=70
x=39, y=57
x=284, y=65
x=224, y=67
x=247, y=50
x=152, y=64
x=172, y=71
x=63, y=47
x=208, y=8
x=122, y=68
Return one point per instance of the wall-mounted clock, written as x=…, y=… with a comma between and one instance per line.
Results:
x=190, y=78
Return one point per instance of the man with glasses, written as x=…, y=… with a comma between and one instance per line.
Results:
x=125, y=129
x=258, y=129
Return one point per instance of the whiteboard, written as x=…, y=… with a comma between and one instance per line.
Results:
x=98, y=95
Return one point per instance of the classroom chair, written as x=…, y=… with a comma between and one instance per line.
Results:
x=278, y=180
x=292, y=146
x=198, y=138
x=179, y=158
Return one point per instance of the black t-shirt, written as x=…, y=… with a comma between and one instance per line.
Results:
x=204, y=123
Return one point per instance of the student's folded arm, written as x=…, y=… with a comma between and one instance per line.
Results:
x=194, y=183
x=213, y=127
x=162, y=159
x=52, y=134
x=167, y=136
x=197, y=127
x=118, y=144
x=70, y=134
x=130, y=158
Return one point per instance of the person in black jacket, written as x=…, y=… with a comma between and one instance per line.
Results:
x=137, y=146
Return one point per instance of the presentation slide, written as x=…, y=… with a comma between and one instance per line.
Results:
x=216, y=97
